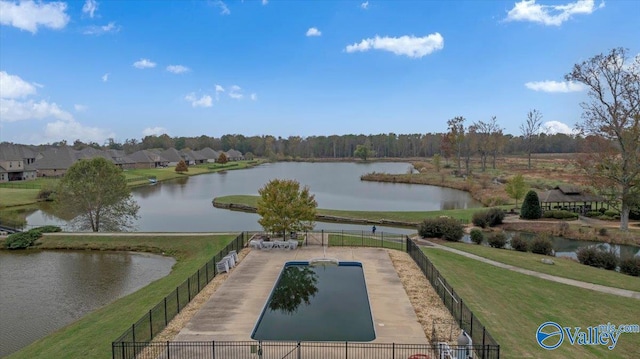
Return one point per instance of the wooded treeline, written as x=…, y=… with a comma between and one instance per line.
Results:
x=343, y=146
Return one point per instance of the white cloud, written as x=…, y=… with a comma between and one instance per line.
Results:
x=177, y=69
x=90, y=7
x=224, y=10
x=234, y=92
x=144, y=64
x=12, y=110
x=550, y=15
x=104, y=29
x=313, y=32
x=554, y=86
x=29, y=15
x=105, y=77
x=80, y=108
x=154, y=131
x=71, y=130
x=410, y=46
x=553, y=127
x=254, y=97
x=219, y=89
x=204, y=101
x=12, y=86
x=365, y=5
x=265, y=2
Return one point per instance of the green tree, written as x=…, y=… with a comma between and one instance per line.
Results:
x=613, y=116
x=182, y=166
x=95, y=192
x=283, y=207
x=437, y=162
x=363, y=152
x=222, y=159
x=516, y=188
x=531, y=206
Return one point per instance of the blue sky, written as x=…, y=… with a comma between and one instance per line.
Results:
x=94, y=69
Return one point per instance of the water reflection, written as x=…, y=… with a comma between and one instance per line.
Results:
x=296, y=285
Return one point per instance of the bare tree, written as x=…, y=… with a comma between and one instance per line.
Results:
x=456, y=137
x=530, y=131
x=612, y=114
x=485, y=143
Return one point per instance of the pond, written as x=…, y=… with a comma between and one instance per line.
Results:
x=42, y=291
x=185, y=204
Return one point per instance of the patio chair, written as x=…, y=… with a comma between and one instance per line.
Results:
x=222, y=266
x=293, y=244
x=280, y=244
x=255, y=243
x=230, y=260
x=234, y=254
x=267, y=245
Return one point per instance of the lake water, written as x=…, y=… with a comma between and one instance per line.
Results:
x=42, y=291
x=185, y=204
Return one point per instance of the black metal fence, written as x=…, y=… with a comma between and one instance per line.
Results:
x=297, y=350
x=365, y=239
x=154, y=321
x=460, y=312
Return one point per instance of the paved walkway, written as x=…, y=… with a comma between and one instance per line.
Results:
x=553, y=278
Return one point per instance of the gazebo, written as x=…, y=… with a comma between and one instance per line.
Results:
x=570, y=198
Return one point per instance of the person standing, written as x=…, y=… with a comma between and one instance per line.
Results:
x=373, y=229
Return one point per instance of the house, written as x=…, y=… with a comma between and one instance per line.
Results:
x=193, y=156
x=147, y=159
x=16, y=163
x=234, y=155
x=173, y=156
x=570, y=198
x=209, y=154
x=56, y=160
x=121, y=159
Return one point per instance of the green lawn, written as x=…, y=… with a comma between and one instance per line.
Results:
x=512, y=306
x=91, y=336
x=17, y=197
x=562, y=268
x=406, y=216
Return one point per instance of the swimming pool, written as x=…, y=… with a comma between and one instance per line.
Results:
x=317, y=301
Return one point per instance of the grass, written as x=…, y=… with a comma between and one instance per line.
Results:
x=512, y=306
x=563, y=267
x=366, y=241
x=91, y=336
x=17, y=197
x=414, y=217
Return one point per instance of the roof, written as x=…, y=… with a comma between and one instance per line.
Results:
x=57, y=158
x=569, y=194
x=209, y=153
x=10, y=151
x=234, y=153
x=193, y=155
x=146, y=156
x=172, y=155
x=119, y=157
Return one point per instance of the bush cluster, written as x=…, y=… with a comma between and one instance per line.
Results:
x=611, y=213
x=519, y=244
x=531, y=206
x=476, y=236
x=592, y=214
x=560, y=214
x=444, y=227
x=497, y=240
x=22, y=240
x=542, y=244
x=595, y=257
x=630, y=266
x=491, y=217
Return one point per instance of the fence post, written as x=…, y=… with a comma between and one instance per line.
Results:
x=460, y=312
x=133, y=332
x=346, y=350
x=168, y=350
x=484, y=330
x=382, y=239
x=213, y=348
x=178, y=298
x=322, y=237
x=393, y=350
x=150, y=325
x=199, y=281
x=166, y=321
x=189, y=288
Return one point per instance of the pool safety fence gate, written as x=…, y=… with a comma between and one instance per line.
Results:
x=154, y=321
x=298, y=350
x=458, y=309
x=137, y=343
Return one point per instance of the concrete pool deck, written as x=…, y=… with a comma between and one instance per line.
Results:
x=230, y=314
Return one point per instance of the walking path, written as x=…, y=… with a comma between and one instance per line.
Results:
x=553, y=278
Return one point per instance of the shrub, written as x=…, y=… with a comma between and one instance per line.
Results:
x=476, y=236
x=595, y=257
x=46, y=229
x=497, y=240
x=560, y=214
x=603, y=231
x=630, y=266
x=480, y=219
x=519, y=244
x=182, y=166
x=444, y=227
x=611, y=213
x=531, y=206
x=21, y=240
x=542, y=244
x=491, y=217
x=593, y=214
